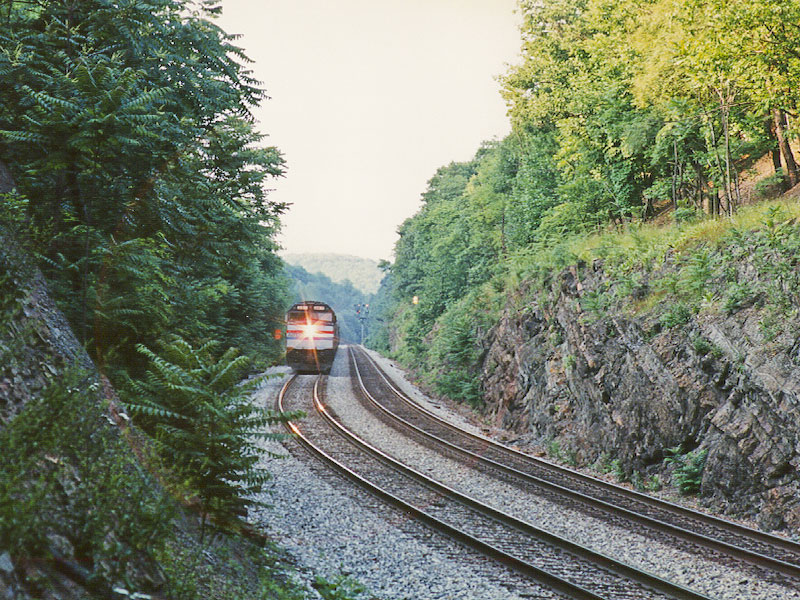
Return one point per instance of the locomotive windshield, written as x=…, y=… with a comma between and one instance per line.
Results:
x=325, y=316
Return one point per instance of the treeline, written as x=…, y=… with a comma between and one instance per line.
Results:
x=343, y=297
x=141, y=189
x=140, y=178
x=621, y=110
x=363, y=273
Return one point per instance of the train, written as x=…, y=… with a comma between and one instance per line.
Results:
x=312, y=337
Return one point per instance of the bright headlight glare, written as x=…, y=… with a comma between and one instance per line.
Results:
x=310, y=330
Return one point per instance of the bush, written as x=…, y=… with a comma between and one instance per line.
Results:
x=738, y=296
x=701, y=345
x=677, y=314
x=560, y=221
x=454, y=358
x=770, y=186
x=204, y=423
x=688, y=469
x=686, y=214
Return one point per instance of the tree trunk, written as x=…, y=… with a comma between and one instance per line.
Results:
x=675, y=175
x=701, y=182
x=714, y=204
x=732, y=199
x=779, y=119
x=775, y=151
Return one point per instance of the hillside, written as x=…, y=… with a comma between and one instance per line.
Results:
x=666, y=357
x=363, y=273
x=86, y=508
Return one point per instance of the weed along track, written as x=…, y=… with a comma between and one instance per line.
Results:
x=566, y=568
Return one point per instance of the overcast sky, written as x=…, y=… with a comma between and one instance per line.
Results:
x=368, y=99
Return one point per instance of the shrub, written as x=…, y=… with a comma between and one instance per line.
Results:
x=688, y=469
x=571, y=457
x=617, y=470
x=203, y=421
x=698, y=272
x=686, y=214
x=701, y=345
x=654, y=483
x=770, y=186
x=677, y=314
x=454, y=357
x=738, y=296
x=554, y=450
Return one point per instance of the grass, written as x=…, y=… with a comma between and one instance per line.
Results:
x=643, y=244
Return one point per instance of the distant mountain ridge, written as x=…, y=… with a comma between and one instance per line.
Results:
x=363, y=273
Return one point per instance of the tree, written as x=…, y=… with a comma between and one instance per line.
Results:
x=128, y=130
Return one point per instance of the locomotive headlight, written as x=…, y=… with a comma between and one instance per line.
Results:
x=310, y=330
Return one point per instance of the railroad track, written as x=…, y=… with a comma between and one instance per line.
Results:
x=570, y=570
x=777, y=557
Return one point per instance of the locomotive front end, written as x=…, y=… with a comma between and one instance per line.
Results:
x=312, y=337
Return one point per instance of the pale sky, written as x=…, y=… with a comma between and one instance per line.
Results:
x=368, y=99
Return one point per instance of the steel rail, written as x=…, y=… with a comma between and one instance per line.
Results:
x=744, y=554
x=647, y=580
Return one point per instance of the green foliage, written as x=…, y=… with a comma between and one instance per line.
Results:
x=66, y=474
x=554, y=450
x=602, y=464
x=560, y=221
x=653, y=484
x=770, y=186
x=454, y=357
x=687, y=471
x=686, y=214
x=191, y=402
x=697, y=273
x=618, y=470
x=701, y=345
x=676, y=314
x=140, y=179
x=737, y=296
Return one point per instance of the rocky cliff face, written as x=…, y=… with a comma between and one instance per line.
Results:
x=628, y=384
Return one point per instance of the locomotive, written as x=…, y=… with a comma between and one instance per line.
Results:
x=312, y=337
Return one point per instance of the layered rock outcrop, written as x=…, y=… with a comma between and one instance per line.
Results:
x=615, y=383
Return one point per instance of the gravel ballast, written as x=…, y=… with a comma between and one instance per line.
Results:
x=330, y=528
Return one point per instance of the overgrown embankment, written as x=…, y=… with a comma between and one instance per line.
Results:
x=667, y=356
x=663, y=356
x=81, y=514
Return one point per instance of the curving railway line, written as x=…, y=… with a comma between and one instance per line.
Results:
x=776, y=558
x=564, y=567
